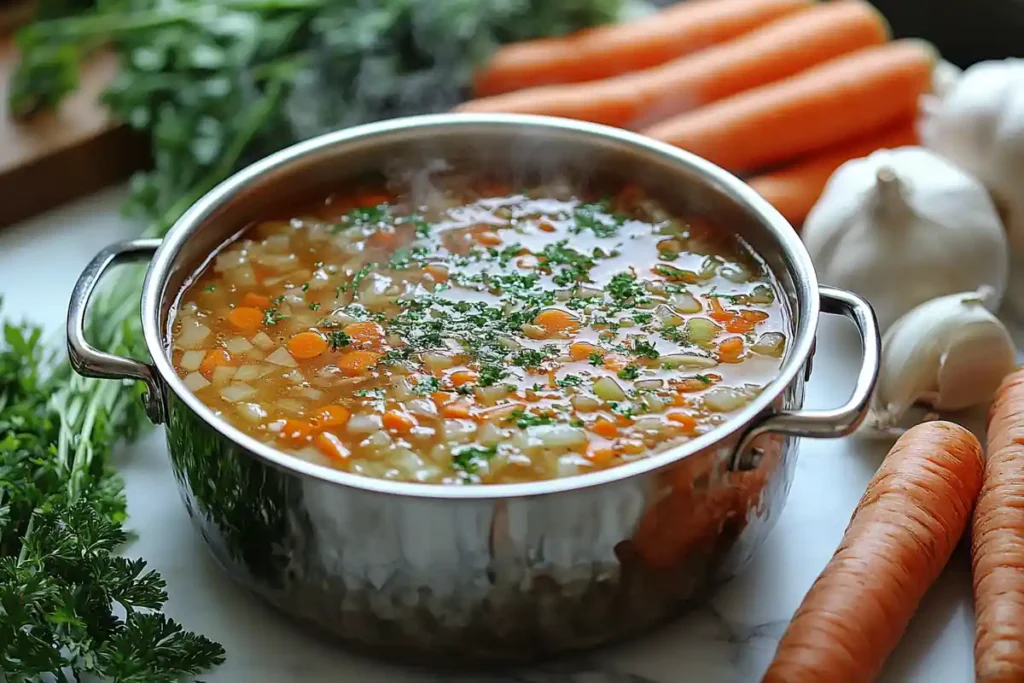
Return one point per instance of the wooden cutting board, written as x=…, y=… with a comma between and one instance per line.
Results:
x=60, y=156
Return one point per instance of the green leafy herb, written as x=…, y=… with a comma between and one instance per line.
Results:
x=596, y=359
x=524, y=419
x=491, y=375
x=338, y=339
x=468, y=458
x=569, y=381
x=629, y=372
x=644, y=349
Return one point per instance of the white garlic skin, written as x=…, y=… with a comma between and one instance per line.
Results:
x=903, y=226
x=949, y=354
x=978, y=123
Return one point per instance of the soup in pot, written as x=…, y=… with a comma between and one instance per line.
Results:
x=479, y=334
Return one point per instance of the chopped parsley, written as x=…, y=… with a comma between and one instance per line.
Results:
x=314, y=306
x=623, y=288
x=644, y=349
x=630, y=372
x=210, y=288
x=426, y=385
x=595, y=217
x=596, y=359
x=337, y=339
x=529, y=358
x=272, y=315
x=569, y=381
x=491, y=375
x=468, y=458
x=524, y=419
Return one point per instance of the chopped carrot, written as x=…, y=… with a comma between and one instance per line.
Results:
x=296, y=431
x=583, y=350
x=605, y=428
x=460, y=377
x=718, y=312
x=488, y=238
x=633, y=446
x=459, y=409
x=808, y=112
x=365, y=334
x=246, y=318
x=212, y=360
x=690, y=384
x=256, y=300
x=902, y=533
x=777, y=50
x=624, y=47
x=331, y=416
x=615, y=361
x=306, y=345
x=354, y=363
x=795, y=189
x=739, y=325
x=557, y=322
x=398, y=421
x=546, y=226
x=687, y=423
x=437, y=273
x=730, y=350
x=331, y=446
x=997, y=548
x=600, y=456
x=753, y=316
x=384, y=238
x=442, y=397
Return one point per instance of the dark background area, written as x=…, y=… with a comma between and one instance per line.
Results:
x=965, y=31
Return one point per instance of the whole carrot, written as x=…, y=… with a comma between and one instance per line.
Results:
x=900, y=537
x=620, y=48
x=831, y=103
x=997, y=551
x=777, y=50
x=794, y=189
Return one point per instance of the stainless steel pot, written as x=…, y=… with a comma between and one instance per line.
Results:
x=444, y=574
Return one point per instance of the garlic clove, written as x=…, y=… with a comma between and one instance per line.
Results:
x=949, y=354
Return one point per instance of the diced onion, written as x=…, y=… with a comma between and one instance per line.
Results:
x=435, y=361
x=233, y=393
x=768, y=344
x=248, y=373
x=668, y=317
x=191, y=360
x=192, y=334
x=401, y=390
x=292, y=405
x=263, y=341
x=649, y=384
x=237, y=345
x=422, y=407
x=489, y=434
x=735, y=273
x=725, y=399
x=653, y=403
x=281, y=357
x=762, y=295
x=684, y=302
x=649, y=423
x=607, y=389
x=277, y=243
x=294, y=376
x=243, y=276
x=458, y=431
x=557, y=435
x=308, y=392
x=489, y=396
x=364, y=423
x=194, y=381
x=222, y=374
x=252, y=412
x=229, y=260
x=687, y=360
x=701, y=331
x=584, y=403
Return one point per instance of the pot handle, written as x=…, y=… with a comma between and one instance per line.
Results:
x=85, y=358
x=833, y=422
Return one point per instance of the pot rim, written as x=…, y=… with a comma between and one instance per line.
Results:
x=801, y=270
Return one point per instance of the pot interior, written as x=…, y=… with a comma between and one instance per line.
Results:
x=520, y=149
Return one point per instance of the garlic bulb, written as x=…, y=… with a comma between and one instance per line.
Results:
x=979, y=125
x=949, y=353
x=903, y=226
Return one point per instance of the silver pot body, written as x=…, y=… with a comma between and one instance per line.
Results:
x=508, y=572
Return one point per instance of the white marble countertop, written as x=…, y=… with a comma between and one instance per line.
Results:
x=729, y=641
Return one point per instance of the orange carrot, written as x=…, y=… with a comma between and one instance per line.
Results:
x=900, y=537
x=331, y=446
x=794, y=189
x=296, y=431
x=257, y=300
x=686, y=422
x=365, y=334
x=605, y=428
x=212, y=360
x=837, y=101
x=306, y=345
x=620, y=48
x=557, y=322
x=775, y=51
x=583, y=350
x=398, y=421
x=460, y=377
x=997, y=551
x=353, y=363
x=331, y=416
x=246, y=318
